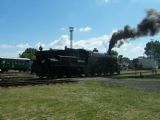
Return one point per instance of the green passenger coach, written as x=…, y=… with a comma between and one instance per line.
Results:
x=21, y=64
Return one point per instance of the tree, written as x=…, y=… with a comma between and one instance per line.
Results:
x=29, y=53
x=95, y=50
x=152, y=49
x=114, y=53
x=137, y=64
x=126, y=60
x=123, y=61
x=120, y=57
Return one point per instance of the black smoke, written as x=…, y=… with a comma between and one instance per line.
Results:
x=149, y=26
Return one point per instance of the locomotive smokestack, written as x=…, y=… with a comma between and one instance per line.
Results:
x=71, y=29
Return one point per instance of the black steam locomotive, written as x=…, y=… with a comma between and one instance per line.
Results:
x=73, y=62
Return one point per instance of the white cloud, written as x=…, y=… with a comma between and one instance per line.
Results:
x=85, y=29
x=91, y=43
x=20, y=52
x=97, y=42
x=60, y=43
x=5, y=46
x=40, y=44
x=131, y=50
x=23, y=46
x=82, y=29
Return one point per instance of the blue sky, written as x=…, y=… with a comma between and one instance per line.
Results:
x=30, y=23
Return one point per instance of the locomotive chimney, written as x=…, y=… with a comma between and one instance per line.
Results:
x=71, y=29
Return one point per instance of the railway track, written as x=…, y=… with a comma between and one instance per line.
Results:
x=14, y=78
x=5, y=83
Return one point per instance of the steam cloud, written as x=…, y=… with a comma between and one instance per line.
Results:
x=149, y=26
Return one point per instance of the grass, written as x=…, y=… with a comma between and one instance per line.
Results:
x=81, y=101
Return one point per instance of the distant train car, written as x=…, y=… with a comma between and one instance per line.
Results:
x=73, y=62
x=21, y=64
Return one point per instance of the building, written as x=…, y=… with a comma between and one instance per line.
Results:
x=148, y=63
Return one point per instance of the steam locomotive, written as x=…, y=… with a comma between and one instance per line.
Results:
x=73, y=62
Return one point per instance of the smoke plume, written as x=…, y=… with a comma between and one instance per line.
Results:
x=149, y=26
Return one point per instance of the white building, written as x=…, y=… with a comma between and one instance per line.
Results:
x=148, y=63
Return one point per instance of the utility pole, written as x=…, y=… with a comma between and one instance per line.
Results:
x=71, y=29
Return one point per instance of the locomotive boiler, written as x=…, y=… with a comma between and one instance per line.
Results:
x=73, y=62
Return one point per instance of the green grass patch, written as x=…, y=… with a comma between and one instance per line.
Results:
x=81, y=101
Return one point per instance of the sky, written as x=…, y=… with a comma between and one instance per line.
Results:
x=31, y=23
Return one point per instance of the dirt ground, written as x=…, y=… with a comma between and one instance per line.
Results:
x=150, y=85
x=16, y=75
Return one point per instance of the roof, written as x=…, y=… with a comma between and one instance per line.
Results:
x=15, y=58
